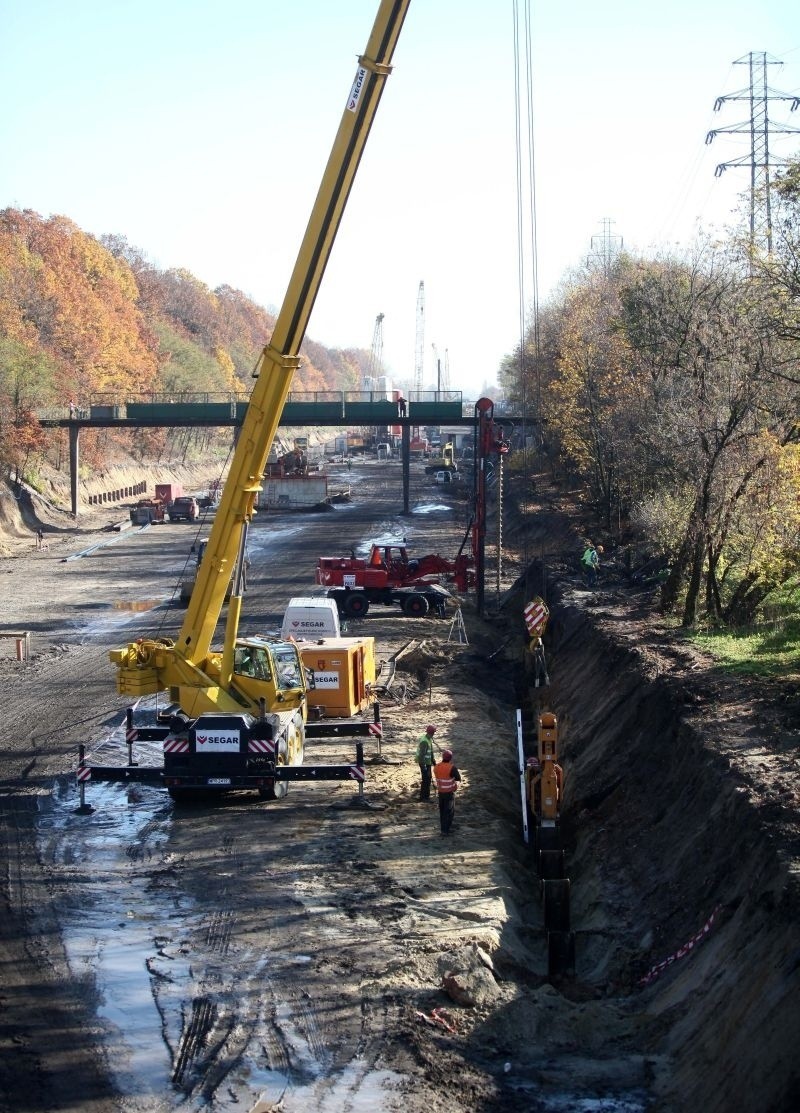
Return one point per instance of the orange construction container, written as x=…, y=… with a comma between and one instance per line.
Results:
x=344, y=674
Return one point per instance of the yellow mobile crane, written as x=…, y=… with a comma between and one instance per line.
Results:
x=243, y=708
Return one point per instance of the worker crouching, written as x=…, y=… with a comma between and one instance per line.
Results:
x=447, y=777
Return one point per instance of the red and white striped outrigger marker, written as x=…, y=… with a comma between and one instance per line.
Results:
x=261, y=746
x=376, y=729
x=83, y=774
x=173, y=745
x=357, y=772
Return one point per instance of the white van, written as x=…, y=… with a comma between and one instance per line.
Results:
x=384, y=451
x=308, y=618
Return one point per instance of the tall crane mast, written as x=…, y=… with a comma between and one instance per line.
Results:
x=419, y=357
x=375, y=369
x=199, y=679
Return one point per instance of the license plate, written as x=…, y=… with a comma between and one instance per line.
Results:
x=218, y=781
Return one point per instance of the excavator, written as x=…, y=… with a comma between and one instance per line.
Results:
x=241, y=710
x=391, y=575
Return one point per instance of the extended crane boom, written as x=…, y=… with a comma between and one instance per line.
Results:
x=200, y=679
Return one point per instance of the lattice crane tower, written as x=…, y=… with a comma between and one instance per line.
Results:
x=375, y=369
x=419, y=359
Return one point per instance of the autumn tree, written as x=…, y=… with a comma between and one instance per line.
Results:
x=716, y=411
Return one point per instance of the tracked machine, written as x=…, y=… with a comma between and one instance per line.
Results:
x=239, y=711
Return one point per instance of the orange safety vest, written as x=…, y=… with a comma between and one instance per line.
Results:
x=444, y=781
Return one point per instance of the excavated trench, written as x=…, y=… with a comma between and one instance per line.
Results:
x=684, y=901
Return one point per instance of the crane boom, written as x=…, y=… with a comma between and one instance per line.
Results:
x=151, y=667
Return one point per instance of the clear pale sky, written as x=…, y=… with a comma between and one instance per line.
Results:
x=199, y=130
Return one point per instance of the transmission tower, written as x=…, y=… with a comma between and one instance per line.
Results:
x=760, y=128
x=375, y=369
x=419, y=359
x=605, y=247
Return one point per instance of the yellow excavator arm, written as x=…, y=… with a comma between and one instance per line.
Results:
x=148, y=667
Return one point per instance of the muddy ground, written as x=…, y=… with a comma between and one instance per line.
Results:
x=291, y=956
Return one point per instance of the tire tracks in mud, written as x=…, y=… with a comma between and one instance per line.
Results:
x=259, y=930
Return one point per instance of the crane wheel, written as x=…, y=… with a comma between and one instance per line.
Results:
x=276, y=790
x=355, y=605
x=416, y=605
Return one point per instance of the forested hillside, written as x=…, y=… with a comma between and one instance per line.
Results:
x=81, y=317
x=669, y=390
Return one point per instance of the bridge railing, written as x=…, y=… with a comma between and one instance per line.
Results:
x=226, y=397
x=364, y=407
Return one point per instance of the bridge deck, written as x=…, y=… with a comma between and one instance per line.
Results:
x=328, y=408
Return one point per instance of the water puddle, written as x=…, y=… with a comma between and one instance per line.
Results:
x=113, y=919
x=357, y=1088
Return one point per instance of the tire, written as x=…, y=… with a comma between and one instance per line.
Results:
x=355, y=605
x=277, y=790
x=416, y=605
x=274, y=790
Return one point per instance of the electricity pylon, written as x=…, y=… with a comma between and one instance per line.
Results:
x=760, y=128
x=605, y=248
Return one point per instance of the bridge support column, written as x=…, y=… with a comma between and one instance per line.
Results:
x=405, y=451
x=74, y=434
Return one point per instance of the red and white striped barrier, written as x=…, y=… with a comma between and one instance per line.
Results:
x=84, y=773
x=683, y=951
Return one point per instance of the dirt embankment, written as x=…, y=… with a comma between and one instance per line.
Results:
x=681, y=816
x=23, y=510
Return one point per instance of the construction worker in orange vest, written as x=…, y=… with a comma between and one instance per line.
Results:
x=447, y=777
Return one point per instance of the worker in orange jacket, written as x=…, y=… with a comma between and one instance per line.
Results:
x=447, y=777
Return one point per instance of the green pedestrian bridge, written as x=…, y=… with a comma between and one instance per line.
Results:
x=331, y=408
